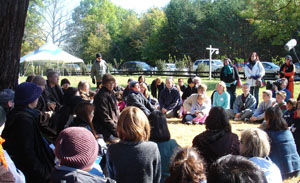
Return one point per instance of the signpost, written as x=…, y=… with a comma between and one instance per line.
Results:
x=211, y=51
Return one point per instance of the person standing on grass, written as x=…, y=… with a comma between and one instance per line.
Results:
x=244, y=105
x=288, y=71
x=254, y=72
x=98, y=70
x=230, y=75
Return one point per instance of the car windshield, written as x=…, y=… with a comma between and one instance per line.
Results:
x=171, y=65
x=218, y=62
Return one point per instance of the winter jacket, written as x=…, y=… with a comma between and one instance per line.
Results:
x=55, y=94
x=249, y=105
x=254, y=73
x=288, y=115
x=26, y=145
x=99, y=69
x=191, y=100
x=154, y=89
x=263, y=106
x=283, y=151
x=204, y=108
x=129, y=162
x=213, y=144
x=188, y=92
x=170, y=99
x=231, y=77
x=106, y=113
x=138, y=100
x=72, y=175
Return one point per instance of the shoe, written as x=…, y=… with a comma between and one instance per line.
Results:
x=237, y=119
x=189, y=122
x=195, y=122
x=246, y=119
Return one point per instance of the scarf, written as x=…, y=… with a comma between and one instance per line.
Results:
x=227, y=70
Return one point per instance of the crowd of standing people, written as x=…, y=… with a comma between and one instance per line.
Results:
x=57, y=133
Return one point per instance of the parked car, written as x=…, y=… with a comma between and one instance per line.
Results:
x=270, y=67
x=215, y=64
x=72, y=69
x=297, y=65
x=135, y=66
x=170, y=67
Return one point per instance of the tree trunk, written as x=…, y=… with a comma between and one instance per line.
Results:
x=12, y=20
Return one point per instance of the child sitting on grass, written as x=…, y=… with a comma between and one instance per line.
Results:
x=199, y=111
x=267, y=102
x=289, y=113
x=280, y=96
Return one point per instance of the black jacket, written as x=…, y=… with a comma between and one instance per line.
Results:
x=106, y=113
x=154, y=89
x=26, y=146
x=137, y=99
x=231, y=77
x=188, y=92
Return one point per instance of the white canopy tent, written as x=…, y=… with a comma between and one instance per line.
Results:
x=50, y=53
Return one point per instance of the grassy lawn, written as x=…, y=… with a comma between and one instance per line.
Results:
x=183, y=134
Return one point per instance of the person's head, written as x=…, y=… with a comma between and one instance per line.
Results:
x=69, y=93
x=191, y=83
x=227, y=61
x=53, y=77
x=108, y=81
x=85, y=111
x=280, y=96
x=217, y=119
x=30, y=78
x=141, y=79
x=83, y=86
x=254, y=143
x=144, y=89
x=200, y=99
x=291, y=104
x=133, y=125
x=246, y=89
x=158, y=81
x=40, y=81
x=202, y=88
x=284, y=83
x=135, y=86
x=98, y=57
x=27, y=94
x=180, y=81
x=129, y=81
x=187, y=166
x=169, y=82
x=159, y=128
x=235, y=169
x=7, y=99
x=197, y=81
x=253, y=57
x=221, y=87
x=274, y=119
x=267, y=95
x=288, y=59
x=76, y=147
x=65, y=83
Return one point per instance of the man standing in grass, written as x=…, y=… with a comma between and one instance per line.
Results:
x=99, y=68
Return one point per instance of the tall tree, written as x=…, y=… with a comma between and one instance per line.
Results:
x=12, y=20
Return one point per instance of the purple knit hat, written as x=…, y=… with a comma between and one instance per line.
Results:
x=26, y=93
x=76, y=147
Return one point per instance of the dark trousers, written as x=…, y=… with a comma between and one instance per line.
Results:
x=254, y=90
x=231, y=90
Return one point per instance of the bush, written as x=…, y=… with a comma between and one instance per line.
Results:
x=161, y=65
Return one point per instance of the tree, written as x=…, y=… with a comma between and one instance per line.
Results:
x=12, y=20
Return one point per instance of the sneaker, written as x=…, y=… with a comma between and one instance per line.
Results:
x=189, y=122
x=237, y=119
x=195, y=122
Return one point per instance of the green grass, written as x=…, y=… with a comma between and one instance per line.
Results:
x=183, y=134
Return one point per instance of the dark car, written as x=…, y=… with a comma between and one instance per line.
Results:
x=135, y=66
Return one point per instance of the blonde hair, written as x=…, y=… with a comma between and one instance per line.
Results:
x=282, y=94
x=146, y=92
x=81, y=85
x=133, y=125
x=222, y=83
x=255, y=142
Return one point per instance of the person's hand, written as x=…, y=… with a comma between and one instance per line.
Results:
x=51, y=106
x=253, y=118
x=197, y=112
x=93, y=80
x=163, y=110
x=238, y=115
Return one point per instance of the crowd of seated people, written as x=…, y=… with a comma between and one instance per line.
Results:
x=55, y=134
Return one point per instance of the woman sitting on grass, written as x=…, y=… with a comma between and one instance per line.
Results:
x=283, y=148
x=221, y=97
x=160, y=134
x=217, y=140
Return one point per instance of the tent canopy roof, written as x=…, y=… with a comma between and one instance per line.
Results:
x=50, y=53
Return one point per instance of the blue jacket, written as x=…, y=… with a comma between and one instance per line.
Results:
x=250, y=103
x=283, y=151
x=169, y=99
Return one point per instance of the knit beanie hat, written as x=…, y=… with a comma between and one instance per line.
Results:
x=76, y=147
x=26, y=93
x=98, y=55
x=64, y=81
x=132, y=83
x=6, y=95
x=107, y=78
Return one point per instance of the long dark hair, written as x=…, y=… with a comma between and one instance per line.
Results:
x=257, y=57
x=275, y=121
x=217, y=119
x=159, y=128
